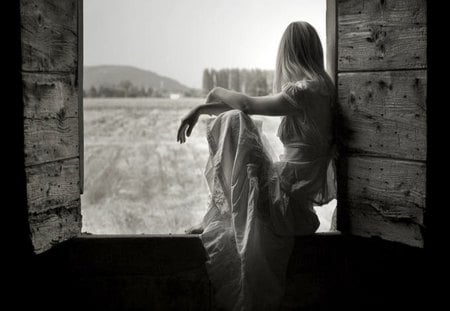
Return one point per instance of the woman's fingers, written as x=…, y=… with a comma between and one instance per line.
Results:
x=212, y=96
x=188, y=124
x=182, y=133
x=189, y=131
x=179, y=131
x=179, y=134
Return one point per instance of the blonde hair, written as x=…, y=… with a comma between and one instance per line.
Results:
x=300, y=56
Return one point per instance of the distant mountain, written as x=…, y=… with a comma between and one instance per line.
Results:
x=108, y=75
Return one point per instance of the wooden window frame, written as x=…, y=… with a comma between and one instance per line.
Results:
x=80, y=91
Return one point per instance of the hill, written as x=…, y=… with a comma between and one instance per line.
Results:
x=109, y=75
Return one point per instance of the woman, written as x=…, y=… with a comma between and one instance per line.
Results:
x=257, y=203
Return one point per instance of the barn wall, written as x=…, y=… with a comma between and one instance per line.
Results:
x=382, y=83
x=49, y=36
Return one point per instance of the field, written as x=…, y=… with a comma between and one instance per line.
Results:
x=138, y=178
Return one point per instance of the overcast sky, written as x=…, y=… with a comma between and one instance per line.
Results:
x=179, y=38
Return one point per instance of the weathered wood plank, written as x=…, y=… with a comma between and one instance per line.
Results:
x=49, y=95
x=381, y=34
x=55, y=225
x=79, y=80
x=366, y=223
x=385, y=198
x=386, y=112
x=51, y=111
x=50, y=139
x=49, y=35
x=331, y=52
x=51, y=185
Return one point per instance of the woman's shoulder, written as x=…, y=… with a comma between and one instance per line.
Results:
x=307, y=86
x=304, y=93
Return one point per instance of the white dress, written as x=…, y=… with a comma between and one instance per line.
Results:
x=258, y=204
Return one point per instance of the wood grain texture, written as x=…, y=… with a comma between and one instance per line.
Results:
x=385, y=112
x=381, y=34
x=79, y=80
x=51, y=117
x=50, y=140
x=50, y=95
x=54, y=226
x=49, y=35
x=331, y=39
x=52, y=185
x=385, y=198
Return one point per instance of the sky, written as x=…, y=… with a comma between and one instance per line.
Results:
x=180, y=38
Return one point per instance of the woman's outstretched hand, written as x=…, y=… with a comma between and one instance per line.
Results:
x=187, y=123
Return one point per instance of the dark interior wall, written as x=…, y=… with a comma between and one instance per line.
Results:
x=16, y=250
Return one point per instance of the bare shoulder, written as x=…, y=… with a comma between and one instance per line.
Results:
x=313, y=86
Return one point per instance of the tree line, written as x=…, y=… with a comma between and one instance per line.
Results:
x=123, y=89
x=128, y=89
x=254, y=82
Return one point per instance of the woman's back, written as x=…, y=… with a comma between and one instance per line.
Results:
x=312, y=124
x=304, y=176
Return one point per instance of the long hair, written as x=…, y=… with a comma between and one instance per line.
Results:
x=300, y=56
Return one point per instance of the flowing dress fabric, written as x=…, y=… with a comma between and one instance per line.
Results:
x=258, y=203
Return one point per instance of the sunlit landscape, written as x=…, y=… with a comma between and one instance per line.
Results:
x=138, y=179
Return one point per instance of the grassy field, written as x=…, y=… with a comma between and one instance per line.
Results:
x=138, y=179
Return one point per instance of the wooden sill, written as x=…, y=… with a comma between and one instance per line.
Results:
x=159, y=254
x=169, y=254
x=178, y=236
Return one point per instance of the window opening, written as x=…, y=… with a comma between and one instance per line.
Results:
x=147, y=63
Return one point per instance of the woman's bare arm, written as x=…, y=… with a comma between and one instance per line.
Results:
x=220, y=100
x=270, y=105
